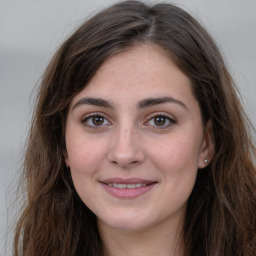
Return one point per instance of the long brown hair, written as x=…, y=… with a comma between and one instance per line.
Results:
x=221, y=212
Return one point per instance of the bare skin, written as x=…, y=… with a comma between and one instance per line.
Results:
x=135, y=141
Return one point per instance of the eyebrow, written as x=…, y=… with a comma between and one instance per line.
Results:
x=156, y=101
x=149, y=102
x=94, y=102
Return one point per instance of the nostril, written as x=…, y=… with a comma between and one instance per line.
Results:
x=125, y=163
x=125, y=153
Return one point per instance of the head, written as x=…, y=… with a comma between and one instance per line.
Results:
x=113, y=31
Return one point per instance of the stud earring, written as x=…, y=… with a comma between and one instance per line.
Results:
x=205, y=161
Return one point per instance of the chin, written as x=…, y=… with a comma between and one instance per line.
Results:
x=127, y=221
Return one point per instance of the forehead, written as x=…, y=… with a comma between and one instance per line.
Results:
x=140, y=70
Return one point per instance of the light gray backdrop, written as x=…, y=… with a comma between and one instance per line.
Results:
x=31, y=30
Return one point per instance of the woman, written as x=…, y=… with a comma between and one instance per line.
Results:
x=139, y=145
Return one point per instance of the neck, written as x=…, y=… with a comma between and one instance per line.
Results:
x=163, y=240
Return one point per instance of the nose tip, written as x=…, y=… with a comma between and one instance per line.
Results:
x=126, y=150
x=126, y=160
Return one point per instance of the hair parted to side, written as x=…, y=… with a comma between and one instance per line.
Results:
x=220, y=218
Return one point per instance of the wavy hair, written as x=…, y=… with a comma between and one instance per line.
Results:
x=221, y=211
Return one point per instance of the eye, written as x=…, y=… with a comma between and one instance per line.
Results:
x=95, y=121
x=160, y=121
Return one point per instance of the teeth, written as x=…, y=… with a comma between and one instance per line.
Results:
x=127, y=185
x=131, y=185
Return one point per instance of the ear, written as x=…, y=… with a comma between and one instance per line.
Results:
x=207, y=147
x=66, y=158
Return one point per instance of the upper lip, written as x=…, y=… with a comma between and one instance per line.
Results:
x=127, y=181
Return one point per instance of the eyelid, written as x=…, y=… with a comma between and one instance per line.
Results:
x=162, y=114
x=94, y=114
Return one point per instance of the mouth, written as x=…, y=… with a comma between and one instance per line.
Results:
x=130, y=186
x=127, y=188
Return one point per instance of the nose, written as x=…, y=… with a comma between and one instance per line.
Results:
x=126, y=149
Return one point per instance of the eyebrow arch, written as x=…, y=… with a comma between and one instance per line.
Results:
x=93, y=101
x=155, y=101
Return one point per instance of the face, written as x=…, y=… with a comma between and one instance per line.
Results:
x=135, y=140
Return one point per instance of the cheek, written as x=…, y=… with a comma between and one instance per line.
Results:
x=177, y=161
x=83, y=156
x=177, y=153
x=85, y=160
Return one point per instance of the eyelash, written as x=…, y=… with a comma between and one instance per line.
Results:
x=171, y=121
x=86, y=119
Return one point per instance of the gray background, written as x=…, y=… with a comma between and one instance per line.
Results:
x=31, y=30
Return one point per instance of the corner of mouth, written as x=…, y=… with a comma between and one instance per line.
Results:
x=137, y=184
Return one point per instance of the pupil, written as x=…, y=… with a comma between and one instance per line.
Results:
x=160, y=120
x=97, y=120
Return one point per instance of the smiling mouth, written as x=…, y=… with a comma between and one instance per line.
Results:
x=127, y=188
x=130, y=186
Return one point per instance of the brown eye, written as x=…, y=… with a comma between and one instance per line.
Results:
x=160, y=120
x=95, y=121
x=98, y=120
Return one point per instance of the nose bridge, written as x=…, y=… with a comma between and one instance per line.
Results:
x=124, y=143
x=126, y=149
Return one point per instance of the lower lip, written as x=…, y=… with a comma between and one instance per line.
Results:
x=127, y=192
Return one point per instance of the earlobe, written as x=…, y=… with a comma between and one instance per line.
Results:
x=66, y=158
x=207, y=148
